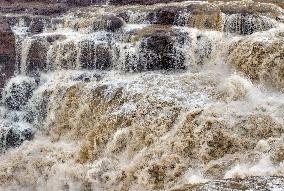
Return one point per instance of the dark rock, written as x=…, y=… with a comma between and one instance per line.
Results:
x=34, y=7
x=53, y=38
x=56, y=23
x=37, y=109
x=246, y=24
x=14, y=20
x=18, y=92
x=141, y=2
x=37, y=26
x=5, y=27
x=7, y=52
x=87, y=76
x=165, y=15
x=14, y=134
x=108, y=23
x=37, y=57
x=160, y=51
x=251, y=7
x=72, y=3
x=95, y=56
x=124, y=15
x=36, y=61
x=201, y=16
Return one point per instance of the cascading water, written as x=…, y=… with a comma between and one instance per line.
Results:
x=158, y=97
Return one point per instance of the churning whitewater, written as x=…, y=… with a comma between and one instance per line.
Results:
x=157, y=97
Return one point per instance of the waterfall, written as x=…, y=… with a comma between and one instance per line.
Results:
x=158, y=97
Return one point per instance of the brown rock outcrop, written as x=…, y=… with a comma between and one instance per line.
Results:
x=7, y=52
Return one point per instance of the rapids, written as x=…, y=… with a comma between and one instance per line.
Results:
x=157, y=97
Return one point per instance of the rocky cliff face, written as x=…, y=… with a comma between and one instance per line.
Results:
x=7, y=52
x=141, y=95
x=117, y=2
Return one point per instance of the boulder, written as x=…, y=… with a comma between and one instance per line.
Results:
x=165, y=15
x=18, y=91
x=14, y=134
x=160, y=50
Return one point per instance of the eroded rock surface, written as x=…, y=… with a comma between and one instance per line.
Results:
x=143, y=95
x=7, y=52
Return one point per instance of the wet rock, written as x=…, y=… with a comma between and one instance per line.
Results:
x=95, y=56
x=61, y=4
x=37, y=108
x=87, y=76
x=159, y=51
x=56, y=23
x=7, y=52
x=141, y=2
x=35, y=7
x=37, y=48
x=124, y=15
x=53, y=38
x=72, y=3
x=14, y=134
x=201, y=16
x=165, y=15
x=37, y=26
x=245, y=24
x=251, y=7
x=108, y=23
x=64, y=55
x=10, y=21
x=36, y=59
x=18, y=91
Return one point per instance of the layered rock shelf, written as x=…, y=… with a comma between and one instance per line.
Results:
x=141, y=95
